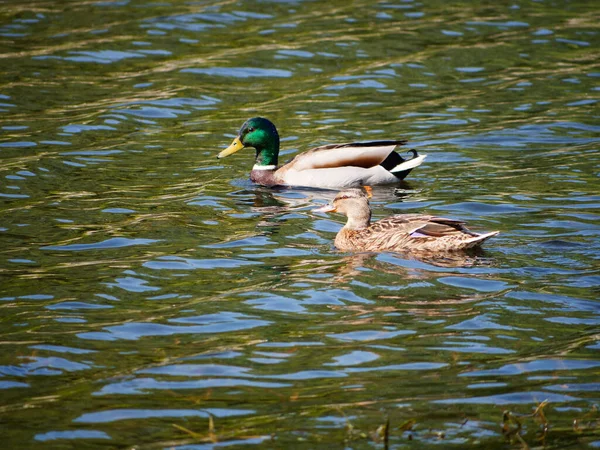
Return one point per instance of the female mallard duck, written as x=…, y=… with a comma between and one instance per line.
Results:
x=400, y=233
x=329, y=166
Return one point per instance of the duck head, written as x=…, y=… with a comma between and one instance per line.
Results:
x=354, y=204
x=261, y=134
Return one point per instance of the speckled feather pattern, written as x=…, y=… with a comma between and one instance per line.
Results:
x=400, y=233
x=396, y=234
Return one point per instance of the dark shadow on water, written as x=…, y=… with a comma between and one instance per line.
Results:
x=560, y=244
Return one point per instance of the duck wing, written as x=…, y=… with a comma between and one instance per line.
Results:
x=434, y=226
x=431, y=233
x=420, y=225
x=411, y=233
x=356, y=154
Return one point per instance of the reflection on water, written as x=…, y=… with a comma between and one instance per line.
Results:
x=152, y=294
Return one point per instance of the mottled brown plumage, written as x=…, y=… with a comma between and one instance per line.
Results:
x=419, y=233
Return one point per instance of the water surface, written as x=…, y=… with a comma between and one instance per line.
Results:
x=153, y=297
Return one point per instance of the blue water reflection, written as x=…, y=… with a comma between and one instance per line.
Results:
x=151, y=293
x=215, y=323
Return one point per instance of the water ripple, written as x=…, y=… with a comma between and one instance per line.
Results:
x=107, y=244
x=146, y=385
x=149, y=286
x=129, y=414
x=240, y=72
x=180, y=263
x=536, y=366
x=74, y=434
x=515, y=398
x=215, y=323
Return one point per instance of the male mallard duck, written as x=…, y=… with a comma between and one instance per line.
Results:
x=329, y=166
x=400, y=233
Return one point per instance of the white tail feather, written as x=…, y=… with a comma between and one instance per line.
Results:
x=410, y=164
x=482, y=237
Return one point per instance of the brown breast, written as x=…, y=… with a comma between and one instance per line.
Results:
x=264, y=177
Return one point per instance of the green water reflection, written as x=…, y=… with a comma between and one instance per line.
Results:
x=152, y=297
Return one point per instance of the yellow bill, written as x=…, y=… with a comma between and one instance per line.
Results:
x=235, y=146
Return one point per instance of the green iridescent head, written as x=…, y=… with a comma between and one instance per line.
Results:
x=261, y=134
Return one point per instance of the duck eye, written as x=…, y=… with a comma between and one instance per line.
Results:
x=250, y=130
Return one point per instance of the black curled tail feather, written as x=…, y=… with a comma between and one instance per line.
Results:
x=394, y=159
x=391, y=161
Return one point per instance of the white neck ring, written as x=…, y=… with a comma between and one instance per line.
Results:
x=270, y=167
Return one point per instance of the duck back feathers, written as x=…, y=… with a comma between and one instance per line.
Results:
x=411, y=233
